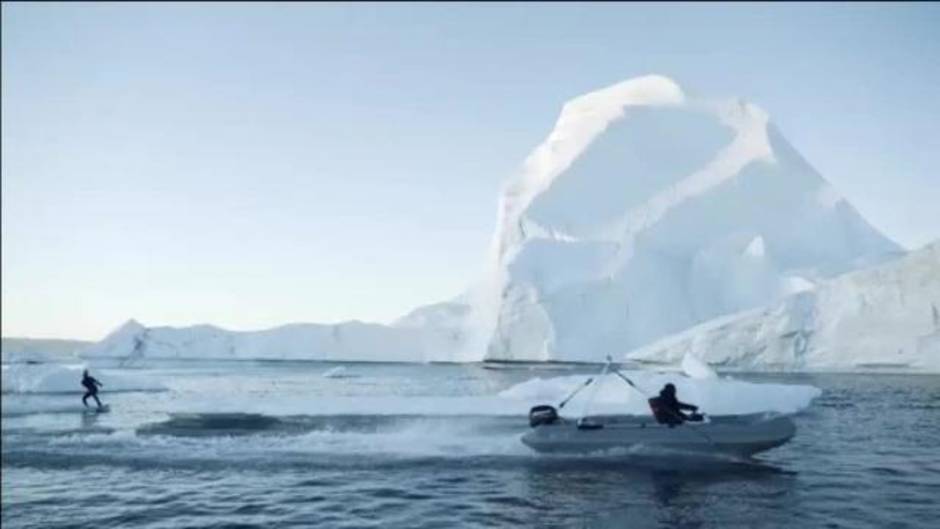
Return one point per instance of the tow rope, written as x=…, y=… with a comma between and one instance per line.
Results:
x=683, y=422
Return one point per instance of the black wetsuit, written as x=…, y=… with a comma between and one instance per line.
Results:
x=668, y=409
x=91, y=386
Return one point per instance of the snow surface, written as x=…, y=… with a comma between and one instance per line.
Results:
x=645, y=212
x=886, y=317
x=62, y=378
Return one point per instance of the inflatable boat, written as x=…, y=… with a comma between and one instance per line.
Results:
x=733, y=435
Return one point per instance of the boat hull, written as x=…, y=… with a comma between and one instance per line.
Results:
x=740, y=435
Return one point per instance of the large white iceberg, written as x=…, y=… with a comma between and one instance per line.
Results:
x=646, y=212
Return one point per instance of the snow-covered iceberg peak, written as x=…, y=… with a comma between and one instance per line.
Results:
x=582, y=119
x=645, y=212
x=123, y=341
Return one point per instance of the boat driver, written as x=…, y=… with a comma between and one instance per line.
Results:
x=668, y=409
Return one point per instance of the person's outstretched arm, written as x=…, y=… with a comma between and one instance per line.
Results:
x=684, y=406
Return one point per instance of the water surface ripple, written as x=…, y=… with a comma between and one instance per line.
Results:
x=865, y=455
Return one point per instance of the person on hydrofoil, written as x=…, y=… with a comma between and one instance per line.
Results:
x=91, y=386
x=668, y=409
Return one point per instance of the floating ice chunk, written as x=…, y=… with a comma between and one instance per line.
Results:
x=334, y=372
x=713, y=395
x=66, y=378
x=756, y=247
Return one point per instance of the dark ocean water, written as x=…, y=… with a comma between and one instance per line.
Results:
x=866, y=454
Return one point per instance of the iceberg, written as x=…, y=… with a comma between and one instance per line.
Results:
x=435, y=332
x=346, y=341
x=885, y=317
x=646, y=212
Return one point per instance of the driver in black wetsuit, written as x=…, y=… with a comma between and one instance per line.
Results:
x=91, y=386
x=668, y=409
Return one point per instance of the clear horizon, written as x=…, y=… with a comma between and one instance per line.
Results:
x=249, y=165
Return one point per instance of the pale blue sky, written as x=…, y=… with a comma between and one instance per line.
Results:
x=250, y=165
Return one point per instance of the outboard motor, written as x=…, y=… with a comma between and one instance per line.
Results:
x=543, y=414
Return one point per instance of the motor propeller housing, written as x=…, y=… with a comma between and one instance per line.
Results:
x=542, y=414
